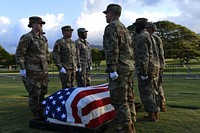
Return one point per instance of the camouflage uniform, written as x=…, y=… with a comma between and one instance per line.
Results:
x=83, y=46
x=119, y=58
x=162, y=64
x=146, y=62
x=65, y=56
x=33, y=56
x=151, y=28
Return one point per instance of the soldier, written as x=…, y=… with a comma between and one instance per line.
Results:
x=66, y=58
x=120, y=66
x=151, y=28
x=84, y=50
x=146, y=62
x=32, y=55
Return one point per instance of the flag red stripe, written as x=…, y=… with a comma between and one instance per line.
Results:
x=79, y=96
x=101, y=119
x=94, y=104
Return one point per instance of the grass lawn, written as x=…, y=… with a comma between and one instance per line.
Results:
x=182, y=98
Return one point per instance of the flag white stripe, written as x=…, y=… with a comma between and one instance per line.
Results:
x=69, y=101
x=97, y=113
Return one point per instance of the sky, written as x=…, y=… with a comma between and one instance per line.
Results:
x=14, y=17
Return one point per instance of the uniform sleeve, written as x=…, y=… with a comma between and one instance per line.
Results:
x=47, y=51
x=111, y=47
x=90, y=54
x=56, y=55
x=21, y=51
x=143, y=54
x=161, y=54
x=78, y=54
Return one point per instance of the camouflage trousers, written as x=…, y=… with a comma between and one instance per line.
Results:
x=160, y=89
x=119, y=94
x=149, y=93
x=68, y=79
x=131, y=98
x=36, y=84
x=83, y=78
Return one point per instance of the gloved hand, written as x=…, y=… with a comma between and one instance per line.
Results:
x=78, y=69
x=144, y=77
x=90, y=68
x=114, y=75
x=22, y=73
x=62, y=70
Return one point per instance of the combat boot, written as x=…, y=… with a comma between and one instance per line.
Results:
x=126, y=128
x=163, y=107
x=150, y=118
x=156, y=115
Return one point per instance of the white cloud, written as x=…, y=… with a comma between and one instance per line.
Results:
x=183, y=12
x=4, y=24
x=94, y=23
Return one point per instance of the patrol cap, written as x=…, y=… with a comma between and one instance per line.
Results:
x=151, y=25
x=113, y=7
x=67, y=28
x=140, y=21
x=35, y=19
x=82, y=30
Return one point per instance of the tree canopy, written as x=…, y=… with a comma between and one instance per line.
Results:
x=6, y=59
x=178, y=41
x=97, y=56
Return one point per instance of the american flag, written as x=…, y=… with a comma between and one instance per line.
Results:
x=81, y=106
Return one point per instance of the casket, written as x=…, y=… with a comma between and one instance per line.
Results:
x=81, y=108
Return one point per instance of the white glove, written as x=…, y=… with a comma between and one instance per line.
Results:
x=62, y=70
x=144, y=77
x=78, y=69
x=90, y=68
x=22, y=73
x=114, y=75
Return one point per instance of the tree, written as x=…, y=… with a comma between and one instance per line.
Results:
x=178, y=41
x=97, y=56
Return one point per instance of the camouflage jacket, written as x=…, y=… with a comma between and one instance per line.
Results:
x=32, y=52
x=161, y=50
x=117, y=47
x=65, y=54
x=84, y=51
x=146, y=54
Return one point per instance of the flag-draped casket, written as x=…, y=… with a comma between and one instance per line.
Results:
x=82, y=106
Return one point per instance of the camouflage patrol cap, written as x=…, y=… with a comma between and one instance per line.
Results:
x=140, y=21
x=82, y=30
x=67, y=28
x=35, y=19
x=113, y=7
x=151, y=25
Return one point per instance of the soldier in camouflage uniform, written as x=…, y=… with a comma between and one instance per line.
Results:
x=151, y=28
x=120, y=66
x=84, y=50
x=65, y=57
x=147, y=65
x=32, y=55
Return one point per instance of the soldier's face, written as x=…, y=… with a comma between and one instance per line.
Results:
x=67, y=33
x=83, y=35
x=37, y=27
x=109, y=16
x=150, y=30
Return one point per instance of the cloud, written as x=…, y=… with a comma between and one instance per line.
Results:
x=189, y=16
x=4, y=24
x=11, y=34
x=183, y=12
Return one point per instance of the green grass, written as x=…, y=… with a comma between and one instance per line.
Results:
x=182, y=98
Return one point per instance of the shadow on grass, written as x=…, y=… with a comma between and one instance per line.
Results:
x=183, y=107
